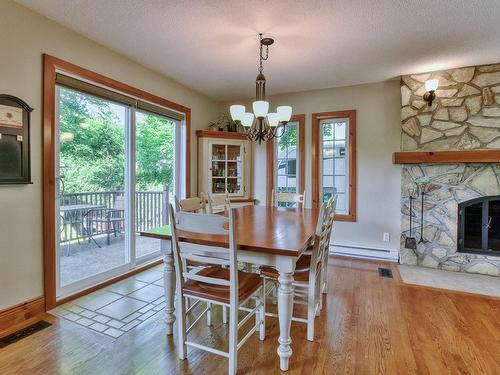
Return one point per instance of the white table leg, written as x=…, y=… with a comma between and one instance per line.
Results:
x=169, y=284
x=286, y=269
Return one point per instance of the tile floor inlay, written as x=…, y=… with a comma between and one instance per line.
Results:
x=119, y=307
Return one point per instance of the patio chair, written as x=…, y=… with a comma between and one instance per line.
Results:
x=110, y=218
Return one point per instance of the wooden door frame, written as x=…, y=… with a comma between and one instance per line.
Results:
x=316, y=146
x=51, y=65
x=301, y=119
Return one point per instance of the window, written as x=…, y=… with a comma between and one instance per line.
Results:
x=285, y=158
x=334, y=161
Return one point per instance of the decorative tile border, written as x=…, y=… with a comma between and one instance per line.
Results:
x=98, y=311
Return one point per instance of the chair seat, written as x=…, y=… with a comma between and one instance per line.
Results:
x=248, y=283
x=301, y=269
x=195, y=263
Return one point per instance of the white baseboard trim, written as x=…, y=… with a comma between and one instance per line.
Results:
x=389, y=255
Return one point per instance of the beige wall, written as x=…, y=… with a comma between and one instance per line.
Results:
x=378, y=136
x=25, y=36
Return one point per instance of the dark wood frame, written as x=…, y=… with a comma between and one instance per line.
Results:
x=25, y=156
x=316, y=159
x=301, y=119
x=51, y=65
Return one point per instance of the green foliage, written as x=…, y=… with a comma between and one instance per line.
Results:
x=92, y=148
x=155, y=153
x=288, y=139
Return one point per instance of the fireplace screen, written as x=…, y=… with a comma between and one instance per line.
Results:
x=479, y=226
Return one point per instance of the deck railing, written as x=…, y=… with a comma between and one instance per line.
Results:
x=77, y=224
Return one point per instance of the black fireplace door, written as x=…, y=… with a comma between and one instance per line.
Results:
x=479, y=225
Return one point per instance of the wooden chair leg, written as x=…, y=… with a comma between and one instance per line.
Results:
x=262, y=315
x=181, y=326
x=311, y=307
x=318, y=296
x=209, y=314
x=324, y=276
x=224, y=314
x=233, y=340
x=275, y=293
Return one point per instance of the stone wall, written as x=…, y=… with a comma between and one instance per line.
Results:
x=445, y=186
x=465, y=115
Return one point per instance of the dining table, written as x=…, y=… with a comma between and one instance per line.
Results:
x=265, y=236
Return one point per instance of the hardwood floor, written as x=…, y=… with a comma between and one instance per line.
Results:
x=369, y=325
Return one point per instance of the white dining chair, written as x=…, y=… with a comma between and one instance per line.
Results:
x=195, y=204
x=332, y=202
x=288, y=198
x=308, y=272
x=217, y=203
x=220, y=284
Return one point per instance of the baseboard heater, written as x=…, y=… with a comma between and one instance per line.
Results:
x=363, y=252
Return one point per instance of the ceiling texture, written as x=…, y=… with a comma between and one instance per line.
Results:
x=212, y=45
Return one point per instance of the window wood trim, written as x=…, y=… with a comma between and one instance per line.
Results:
x=316, y=159
x=270, y=170
x=51, y=65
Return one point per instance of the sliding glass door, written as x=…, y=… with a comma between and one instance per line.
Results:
x=155, y=145
x=116, y=169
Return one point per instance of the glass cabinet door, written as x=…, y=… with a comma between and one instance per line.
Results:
x=226, y=169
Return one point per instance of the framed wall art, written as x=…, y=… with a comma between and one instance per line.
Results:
x=15, y=161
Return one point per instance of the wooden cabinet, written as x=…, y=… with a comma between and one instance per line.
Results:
x=224, y=164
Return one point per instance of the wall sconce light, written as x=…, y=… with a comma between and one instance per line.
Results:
x=431, y=85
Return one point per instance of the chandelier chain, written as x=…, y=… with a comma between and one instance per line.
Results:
x=261, y=54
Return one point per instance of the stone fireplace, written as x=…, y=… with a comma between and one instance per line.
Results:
x=459, y=197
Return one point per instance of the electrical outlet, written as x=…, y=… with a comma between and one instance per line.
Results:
x=386, y=237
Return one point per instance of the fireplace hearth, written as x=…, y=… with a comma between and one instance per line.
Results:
x=479, y=226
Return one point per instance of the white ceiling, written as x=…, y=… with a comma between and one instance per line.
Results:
x=211, y=45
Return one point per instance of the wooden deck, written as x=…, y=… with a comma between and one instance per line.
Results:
x=80, y=260
x=369, y=325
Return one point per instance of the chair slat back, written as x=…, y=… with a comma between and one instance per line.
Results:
x=298, y=199
x=322, y=237
x=195, y=204
x=217, y=201
x=183, y=252
x=332, y=202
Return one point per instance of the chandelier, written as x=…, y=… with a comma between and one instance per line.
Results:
x=262, y=125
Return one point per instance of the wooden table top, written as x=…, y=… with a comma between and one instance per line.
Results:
x=266, y=229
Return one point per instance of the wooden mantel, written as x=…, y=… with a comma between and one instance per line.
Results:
x=443, y=157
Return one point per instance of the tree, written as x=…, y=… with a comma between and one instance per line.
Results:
x=92, y=145
x=155, y=152
x=288, y=139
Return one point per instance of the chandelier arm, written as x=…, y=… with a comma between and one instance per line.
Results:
x=283, y=128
